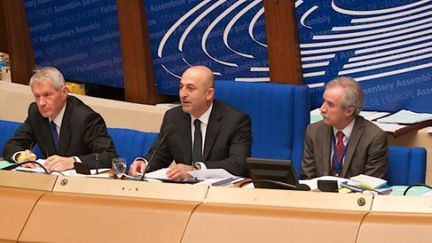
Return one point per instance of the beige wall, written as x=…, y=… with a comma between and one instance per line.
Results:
x=15, y=98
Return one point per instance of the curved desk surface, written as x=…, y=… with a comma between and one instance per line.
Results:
x=103, y=210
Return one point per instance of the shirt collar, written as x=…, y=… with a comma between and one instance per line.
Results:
x=347, y=130
x=59, y=118
x=204, y=118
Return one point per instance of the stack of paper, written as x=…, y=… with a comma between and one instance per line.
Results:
x=406, y=117
x=367, y=182
x=373, y=115
x=388, y=127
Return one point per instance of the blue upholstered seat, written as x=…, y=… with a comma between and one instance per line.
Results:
x=279, y=115
x=130, y=144
x=406, y=166
x=7, y=129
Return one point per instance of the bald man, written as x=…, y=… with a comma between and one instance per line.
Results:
x=225, y=132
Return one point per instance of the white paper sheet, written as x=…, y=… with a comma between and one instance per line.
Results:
x=406, y=117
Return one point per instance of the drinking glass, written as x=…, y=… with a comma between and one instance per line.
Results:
x=119, y=167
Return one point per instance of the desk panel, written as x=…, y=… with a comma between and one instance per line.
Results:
x=395, y=219
x=15, y=208
x=130, y=188
x=26, y=180
x=67, y=217
x=244, y=215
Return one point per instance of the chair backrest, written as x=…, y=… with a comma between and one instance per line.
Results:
x=406, y=166
x=279, y=115
x=130, y=144
x=7, y=129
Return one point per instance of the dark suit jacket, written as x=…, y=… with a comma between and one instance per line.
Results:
x=366, y=151
x=83, y=133
x=227, y=143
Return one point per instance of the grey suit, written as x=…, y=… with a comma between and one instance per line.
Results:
x=227, y=143
x=83, y=133
x=366, y=151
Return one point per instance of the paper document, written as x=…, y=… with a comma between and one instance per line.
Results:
x=210, y=174
x=157, y=174
x=71, y=172
x=4, y=163
x=367, y=182
x=388, y=127
x=406, y=117
x=103, y=173
x=315, y=115
x=37, y=168
x=372, y=115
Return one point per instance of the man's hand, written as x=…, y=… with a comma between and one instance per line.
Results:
x=138, y=167
x=59, y=163
x=178, y=171
x=24, y=156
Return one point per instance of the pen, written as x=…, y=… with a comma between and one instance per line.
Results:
x=224, y=181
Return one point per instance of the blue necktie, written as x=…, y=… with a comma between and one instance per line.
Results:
x=55, y=135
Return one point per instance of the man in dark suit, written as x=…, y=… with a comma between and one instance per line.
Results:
x=224, y=139
x=65, y=129
x=344, y=144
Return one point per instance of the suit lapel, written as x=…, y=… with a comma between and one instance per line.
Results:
x=65, y=129
x=213, y=128
x=186, y=136
x=326, y=141
x=352, y=144
x=49, y=141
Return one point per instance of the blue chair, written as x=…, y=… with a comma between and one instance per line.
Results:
x=279, y=115
x=406, y=166
x=130, y=144
x=7, y=129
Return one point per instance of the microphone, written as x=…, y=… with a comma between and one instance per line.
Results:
x=13, y=166
x=271, y=184
x=168, y=130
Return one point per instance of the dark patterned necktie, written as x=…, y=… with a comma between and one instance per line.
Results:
x=197, y=145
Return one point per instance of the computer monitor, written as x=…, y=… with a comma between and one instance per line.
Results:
x=274, y=174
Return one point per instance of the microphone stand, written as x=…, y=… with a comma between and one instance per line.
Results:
x=169, y=128
x=97, y=163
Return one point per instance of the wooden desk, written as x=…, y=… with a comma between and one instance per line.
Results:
x=77, y=209
x=263, y=215
x=396, y=219
x=104, y=210
x=16, y=206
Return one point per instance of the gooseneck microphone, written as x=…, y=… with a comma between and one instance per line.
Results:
x=166, y=131
x=15, y=165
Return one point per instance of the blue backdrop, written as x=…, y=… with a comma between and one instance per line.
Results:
x=385, y=45
x=80, y=38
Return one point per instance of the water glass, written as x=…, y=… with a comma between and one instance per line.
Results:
x=119, y=167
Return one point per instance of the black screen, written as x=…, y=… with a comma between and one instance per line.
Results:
x=266, y=173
